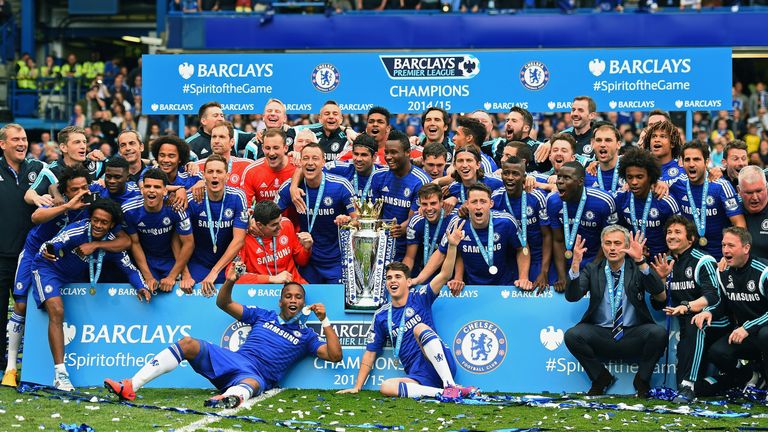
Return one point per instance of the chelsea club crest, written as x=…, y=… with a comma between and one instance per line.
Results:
x=480, y=346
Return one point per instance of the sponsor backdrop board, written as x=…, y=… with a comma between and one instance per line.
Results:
x=502, y=339
x=540, y=81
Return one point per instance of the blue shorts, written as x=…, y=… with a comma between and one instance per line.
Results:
x=224, y=368
x=199, y=271
x=23, y=280
x=160, y=266
x=47, y=284
x=425, y=374
x=316, y=273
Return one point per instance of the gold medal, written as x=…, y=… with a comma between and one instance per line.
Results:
x=568, y=254
x=92, y=291
x=703, y=241
x=525, y=250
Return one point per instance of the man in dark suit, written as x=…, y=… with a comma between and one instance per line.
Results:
x=617, y=323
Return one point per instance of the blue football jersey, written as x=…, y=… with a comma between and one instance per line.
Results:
x=415, y=234
x=658, y=213
x=536, y=209
x=155, y=229
x=227, y=214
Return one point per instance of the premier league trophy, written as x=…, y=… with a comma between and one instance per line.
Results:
x=366, y=248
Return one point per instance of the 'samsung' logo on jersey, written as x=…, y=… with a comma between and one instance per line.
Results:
x=480, y=346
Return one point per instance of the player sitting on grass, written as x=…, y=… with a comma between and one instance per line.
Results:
x=276, y=342
x=407, y=322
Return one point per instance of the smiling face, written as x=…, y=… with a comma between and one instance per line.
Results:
x=435, y=126
x=270, y=229
x=130, y=147
x=210, y=117
x=168, y=158
x=101, y=223
x=291, y=301
x=515, y=126
x=362, y=159
x=397, y=284
x=75, y=186
x=467, y=167
x=430, y=206
x=513, y=175
x=560, y=153
x=580, y=115
x=154, y=192
x=274, y=115
x=275, y=151
x=677, y=238
x=330, y=117
x=735, y=252
x=736, y=160
x=312, y=161
x=395, y=156
x=15, y=145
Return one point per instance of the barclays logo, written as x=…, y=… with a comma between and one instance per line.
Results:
x=597, y=67
x=186, y=70
x=455, y=66
x=551, y=338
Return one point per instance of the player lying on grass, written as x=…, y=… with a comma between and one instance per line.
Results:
x=275, y=343
x=407, y=322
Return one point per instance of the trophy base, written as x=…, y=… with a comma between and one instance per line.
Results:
x=365, y=305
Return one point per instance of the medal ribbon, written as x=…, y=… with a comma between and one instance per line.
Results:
x=214, y=232
x=94, y=274
x=615, y=297
x=430, y=242
x=487, y=253
x=274, y=253
x=523, y=233
x=399, y=338
x=699, y=214
x=568, y=231
x=366, y=190
x=614, y=180
x=318, y=199
x=642, y=224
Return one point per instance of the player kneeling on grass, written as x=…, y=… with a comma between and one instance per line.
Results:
x=407, y=322
x=275, y=343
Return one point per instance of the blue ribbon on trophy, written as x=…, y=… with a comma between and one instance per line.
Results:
x=366, y=249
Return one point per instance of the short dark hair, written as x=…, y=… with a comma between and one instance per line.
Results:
x=181, y=147
x=216, y=158
x=523, y=150
x=265, y=211
x=271, y=132
x=637, y=157
x=156, y=174
x=734, y=145
x=742, y=233
x=398, y=266
x=606, y=125
x=380, y=110
x=64, y=133
x=430, y=189
x=70, y=173
x=367, y=141
x=576, y=166
x=527, y=116
x=661, y=113
x=230, y=127
x=690, y=228
x=290, y=284
x=329, y=102
x=472, y=127
x=117, y=162
x=515, y=161
x=396, y=135
x=562, y=136
x=434, y=149
x=205, y=106
x=445, y=114
x=479, y=187
x=704, y=149
x=591, y=105
x=675, y=140
x=313, y=145
x=109, y=206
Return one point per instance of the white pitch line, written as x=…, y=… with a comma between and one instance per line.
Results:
x=232, y=411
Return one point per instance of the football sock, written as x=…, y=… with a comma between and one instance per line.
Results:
x=687, y=383
x=164, y=362
x=433, y=349
x=413, y=390
x=245, y=391
x=60, y=368
x=15, y=330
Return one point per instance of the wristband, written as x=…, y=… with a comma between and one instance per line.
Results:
x=325, y=323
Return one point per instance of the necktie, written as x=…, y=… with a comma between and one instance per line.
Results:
x=618, y=320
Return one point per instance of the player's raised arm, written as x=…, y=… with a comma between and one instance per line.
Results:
x=224, y=298
x=331, y=351
x=446, y=272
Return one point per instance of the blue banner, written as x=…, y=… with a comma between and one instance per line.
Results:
x=503, y=339
x=496, y=81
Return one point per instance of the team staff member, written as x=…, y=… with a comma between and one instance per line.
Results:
x=331, y=136
x=17, y=174
x=518, y=128
x=200, y=143
x=435, y=122
x=617, y=323
x=131, y=148
x=272, y=250
x=734, y=159
x=583, y=112
x=742, y=283
x=754, y=199
x=711, y=205
x=435, y=159
x=274, y=118
x=692, y=286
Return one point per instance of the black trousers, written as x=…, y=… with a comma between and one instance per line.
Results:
x=591, y=344
x=754, y=347
x=693, y=348
x=7, y=276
